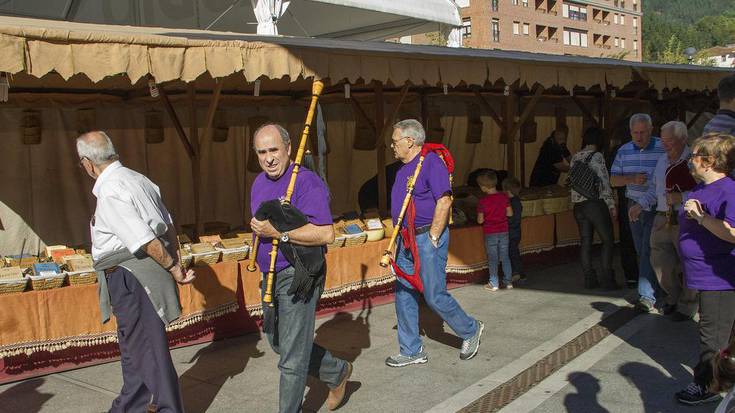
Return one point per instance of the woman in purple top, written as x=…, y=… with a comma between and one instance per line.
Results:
x=707, y=245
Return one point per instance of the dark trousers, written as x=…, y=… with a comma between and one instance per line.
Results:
x=293, y=341
x=149, y=376
x=514, y=252
x=628, y=256
x=594, y=216
x=716, y=316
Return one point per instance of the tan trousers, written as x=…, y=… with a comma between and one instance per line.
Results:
x=667, y=266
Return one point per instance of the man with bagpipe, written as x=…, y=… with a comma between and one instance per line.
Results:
x=424, y=183
x=671, y=180
x=297, y=226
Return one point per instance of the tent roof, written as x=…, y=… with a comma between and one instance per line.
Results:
x=38, y=47
x=352, y=19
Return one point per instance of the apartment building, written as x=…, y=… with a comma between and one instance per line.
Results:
x=597, y=28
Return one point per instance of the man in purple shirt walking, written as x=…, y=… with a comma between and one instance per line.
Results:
x=293, y=338
x=432, y=200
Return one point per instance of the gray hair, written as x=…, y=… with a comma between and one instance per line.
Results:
x=677, y=128
x=285, y=137
x=640, y=118
x=99, y=151
x=412, y=128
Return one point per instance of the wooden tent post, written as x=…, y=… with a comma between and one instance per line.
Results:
x=380, y=146
x=196, y=162
x=509, y=127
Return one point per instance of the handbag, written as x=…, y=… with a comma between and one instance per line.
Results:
x=584, y=180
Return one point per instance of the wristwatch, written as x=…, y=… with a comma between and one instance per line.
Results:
x=285, y=237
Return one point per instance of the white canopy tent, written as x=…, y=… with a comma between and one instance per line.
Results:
x=339, y=19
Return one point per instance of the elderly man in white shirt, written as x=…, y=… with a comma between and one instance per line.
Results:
x=671, y=181
x=134, y=249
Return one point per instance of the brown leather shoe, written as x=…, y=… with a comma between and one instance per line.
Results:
x=337, y=394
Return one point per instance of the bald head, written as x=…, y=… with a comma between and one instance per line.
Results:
x=97, y=147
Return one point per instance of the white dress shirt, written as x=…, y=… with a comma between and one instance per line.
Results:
x=658, y=189
x=129, y=214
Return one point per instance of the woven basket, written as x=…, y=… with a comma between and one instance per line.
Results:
x=186, y=260
x=555, y=205
x=234, y=254
x=13, y=286
x=47, y=282
x=204, y=254
x=357, y=239
x=339, y=242
x=82, y=277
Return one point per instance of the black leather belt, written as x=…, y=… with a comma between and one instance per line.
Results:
x=421, y=230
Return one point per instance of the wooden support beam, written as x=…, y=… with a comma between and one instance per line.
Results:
x=700, y=111
x=213, y=104
x=489, y=109
x=509, y=124
x=196, y=162
x=628, y=111
x=586, y=112
x=392, y=120
x=527, y=111
x=177, y=124
x=380, y=147
x=361, y=112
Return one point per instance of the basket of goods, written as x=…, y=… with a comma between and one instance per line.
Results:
x=57, y=255
x=339, y=239
x=204, y=253
x=79, y=270
x=555, y=200
x=375, y=230
x=12, y=280
x=183, y=239
x=185, y=254
x=532, y=203
x=21, y=260
x=354, y=232
x=46, y=275
x=210, y=239
x=233, y=249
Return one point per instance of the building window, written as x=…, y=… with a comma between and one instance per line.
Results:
x=616, y=3
x=463, y=3
x=617, y=42
x=635, y=44
x=466, y=27
x=516, y=28
x=494, y=5
x=574, y=37
x=622, y=19
x=615, y=18
x=496, y=30
x=635, y=22
x=525, y=3
x=622, y=4
x=525, y=29
x=622, y=43
x=635, y=5
x=515, y=2
x=574, y=12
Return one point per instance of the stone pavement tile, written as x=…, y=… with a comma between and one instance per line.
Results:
x=41, y=393
x=200, y=397
x=107, y=376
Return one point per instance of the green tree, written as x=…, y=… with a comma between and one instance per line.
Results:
x=673, y=53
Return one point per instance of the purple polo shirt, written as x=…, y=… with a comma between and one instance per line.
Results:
x=432, y=184
x=709, y=262
x=310, y=196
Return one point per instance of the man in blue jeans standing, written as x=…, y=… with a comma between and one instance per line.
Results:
x=633, y=168
x=432, y=201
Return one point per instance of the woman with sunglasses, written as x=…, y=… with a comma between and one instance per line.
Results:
x=707, y=245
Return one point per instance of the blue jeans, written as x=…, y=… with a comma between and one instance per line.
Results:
x=434, y=277
x=496, y=246
x=641, y=230
x=293, y=341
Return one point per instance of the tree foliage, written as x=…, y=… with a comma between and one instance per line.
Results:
x=670, y=26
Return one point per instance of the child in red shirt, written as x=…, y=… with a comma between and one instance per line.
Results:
x=493, y=211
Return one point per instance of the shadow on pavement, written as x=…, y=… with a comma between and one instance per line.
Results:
x=585, y=399
x=24, y=397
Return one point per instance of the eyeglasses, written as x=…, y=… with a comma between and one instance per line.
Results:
x=395, y=142
x=701, y=155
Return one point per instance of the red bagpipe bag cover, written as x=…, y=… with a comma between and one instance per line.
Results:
x=408, y=228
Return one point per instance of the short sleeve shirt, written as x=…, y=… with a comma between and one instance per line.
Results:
x=493, y=208
x=310, y=196
x=709, y=261
x=129, y=212
x=432, y=184
x=544, y=173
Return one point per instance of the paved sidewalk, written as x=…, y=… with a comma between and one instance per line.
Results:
x=636, y=371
